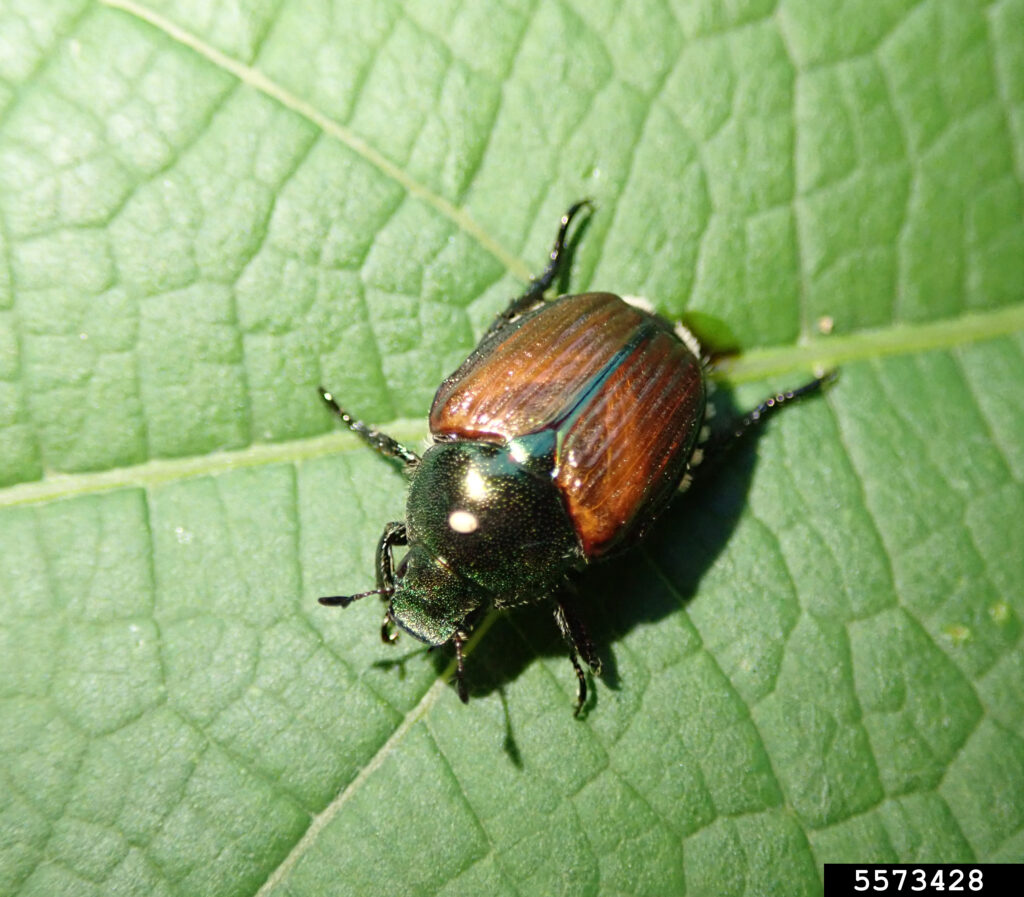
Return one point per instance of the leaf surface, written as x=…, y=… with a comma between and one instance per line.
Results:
x=206, y=210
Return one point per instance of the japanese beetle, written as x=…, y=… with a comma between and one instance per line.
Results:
x=555, y=444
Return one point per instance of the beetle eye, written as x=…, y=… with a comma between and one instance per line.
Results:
x=463, y=521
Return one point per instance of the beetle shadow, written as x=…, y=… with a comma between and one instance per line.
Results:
x=643, y=585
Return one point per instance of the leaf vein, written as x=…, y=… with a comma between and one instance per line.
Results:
x=260, y=82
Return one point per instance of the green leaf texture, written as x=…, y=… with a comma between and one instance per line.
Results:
x=206, y=209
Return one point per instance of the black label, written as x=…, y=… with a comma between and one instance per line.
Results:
x=923, y=879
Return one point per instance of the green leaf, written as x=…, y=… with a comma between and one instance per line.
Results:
x=208, y=209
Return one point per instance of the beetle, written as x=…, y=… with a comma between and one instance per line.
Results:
x=556, y=444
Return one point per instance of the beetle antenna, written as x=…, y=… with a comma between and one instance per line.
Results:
x=346, y=600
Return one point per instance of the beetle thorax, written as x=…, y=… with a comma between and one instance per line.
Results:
x=491, y=517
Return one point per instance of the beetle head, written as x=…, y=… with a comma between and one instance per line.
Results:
x=430, y=601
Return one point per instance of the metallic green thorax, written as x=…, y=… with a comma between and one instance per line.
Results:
x=485, y=526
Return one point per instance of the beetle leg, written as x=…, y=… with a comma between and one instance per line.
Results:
x=381, y=442
x=719, y=445
x=556, y=256
x=575, y=633
x=394, y=534
x=581, y=683
x=460, y=666
x=576, y=636
x=540, y=285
